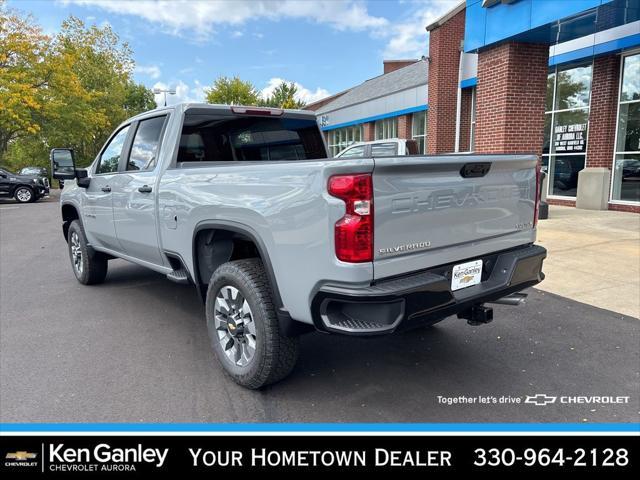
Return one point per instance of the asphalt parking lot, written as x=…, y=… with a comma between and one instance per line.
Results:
x=135, y=349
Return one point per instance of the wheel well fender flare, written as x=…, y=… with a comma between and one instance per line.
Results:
x=252, y=235
x=70, y=212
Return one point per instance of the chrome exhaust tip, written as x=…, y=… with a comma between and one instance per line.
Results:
x=514, y=299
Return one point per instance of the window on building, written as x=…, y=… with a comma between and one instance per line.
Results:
x=626, y=172
x=566, y=127
x=387, y=128
x=472, y=134
x=341, y=138
x=419, y=130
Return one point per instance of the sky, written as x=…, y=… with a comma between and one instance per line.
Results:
x=324, y=46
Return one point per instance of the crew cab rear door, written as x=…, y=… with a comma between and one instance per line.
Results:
x=431, y=211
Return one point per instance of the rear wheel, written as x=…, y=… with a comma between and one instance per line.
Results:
x=24, y=195
x=90, y=267
x=243, y=326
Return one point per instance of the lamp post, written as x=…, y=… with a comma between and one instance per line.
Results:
x=170, y=91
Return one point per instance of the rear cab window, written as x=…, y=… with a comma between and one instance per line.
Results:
x=229, y=138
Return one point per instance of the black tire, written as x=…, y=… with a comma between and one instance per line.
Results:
x=91, y=267
x=275, y=354
x=24, y=194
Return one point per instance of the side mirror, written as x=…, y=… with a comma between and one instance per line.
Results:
x=3, y=175
x=63, y=165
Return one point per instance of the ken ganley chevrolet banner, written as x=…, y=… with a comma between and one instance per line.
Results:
x=59, y=455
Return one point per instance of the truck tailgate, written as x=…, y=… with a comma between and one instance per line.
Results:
x=434, y=210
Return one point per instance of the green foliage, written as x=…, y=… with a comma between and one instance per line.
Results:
x=283, y=96
x=138, y=98
x=232, y=91
x=235, y=91
x=70, y=90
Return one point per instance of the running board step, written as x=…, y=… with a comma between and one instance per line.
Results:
x=179, y=276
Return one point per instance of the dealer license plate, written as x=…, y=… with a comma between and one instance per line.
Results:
x=466, y=275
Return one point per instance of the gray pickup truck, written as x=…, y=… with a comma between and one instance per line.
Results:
x=278, y=239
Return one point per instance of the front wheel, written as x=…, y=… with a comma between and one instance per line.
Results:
x=24, y=195
x=243, y=326
x=89, y=267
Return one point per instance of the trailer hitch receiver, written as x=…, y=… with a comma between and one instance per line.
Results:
x=477, y=315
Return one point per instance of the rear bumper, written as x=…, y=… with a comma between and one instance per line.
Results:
x=424, y=297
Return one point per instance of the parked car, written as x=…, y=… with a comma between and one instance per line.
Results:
x=36, y=172
x=23, y=188
x=280, y=240
x=380, y=148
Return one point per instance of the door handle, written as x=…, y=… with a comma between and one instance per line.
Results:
x=145, y=189
x=106, y=189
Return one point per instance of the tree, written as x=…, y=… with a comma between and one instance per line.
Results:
x=283, y=96
x=71, y=90
x=138, y=98
x=92, y=101
x=24, y=77
x=232, y=91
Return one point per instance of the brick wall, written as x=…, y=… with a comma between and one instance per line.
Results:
x=559, y=201
x=625, y=208
x=511, y=92
x=602, y=117
x=465, y=119
x=368, y=132
x=444, y=59
x=393, y=65
x=404, y=126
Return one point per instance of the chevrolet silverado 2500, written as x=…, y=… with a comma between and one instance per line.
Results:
x=278, y=239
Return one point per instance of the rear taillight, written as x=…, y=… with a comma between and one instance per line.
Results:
x=536, y=208
x=354, y=231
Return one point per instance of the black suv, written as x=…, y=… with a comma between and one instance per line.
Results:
x=37, y=172
x=24, y=188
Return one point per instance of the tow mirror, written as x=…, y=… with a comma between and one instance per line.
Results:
x=63, y=166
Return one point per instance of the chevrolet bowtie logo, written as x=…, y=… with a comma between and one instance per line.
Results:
x=21, y=455
x=540, y=399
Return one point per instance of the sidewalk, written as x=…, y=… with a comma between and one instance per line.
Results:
x=593, y=257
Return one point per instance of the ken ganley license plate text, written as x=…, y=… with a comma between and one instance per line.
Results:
x=466, y=274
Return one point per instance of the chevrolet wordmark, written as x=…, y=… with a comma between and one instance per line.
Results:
x=278, y=239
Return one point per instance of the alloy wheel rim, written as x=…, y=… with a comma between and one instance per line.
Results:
x=24, y=195
x=76, y=252
x=234, y=325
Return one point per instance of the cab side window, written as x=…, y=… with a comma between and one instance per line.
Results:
x=384, y=149
x=144, y=150
x=353, y=152
x=110, y=157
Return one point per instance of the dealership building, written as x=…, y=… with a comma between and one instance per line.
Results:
x=557, y=78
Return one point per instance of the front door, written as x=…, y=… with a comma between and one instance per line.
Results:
x=98, y=199
x=134, y=205
x=5, y=183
